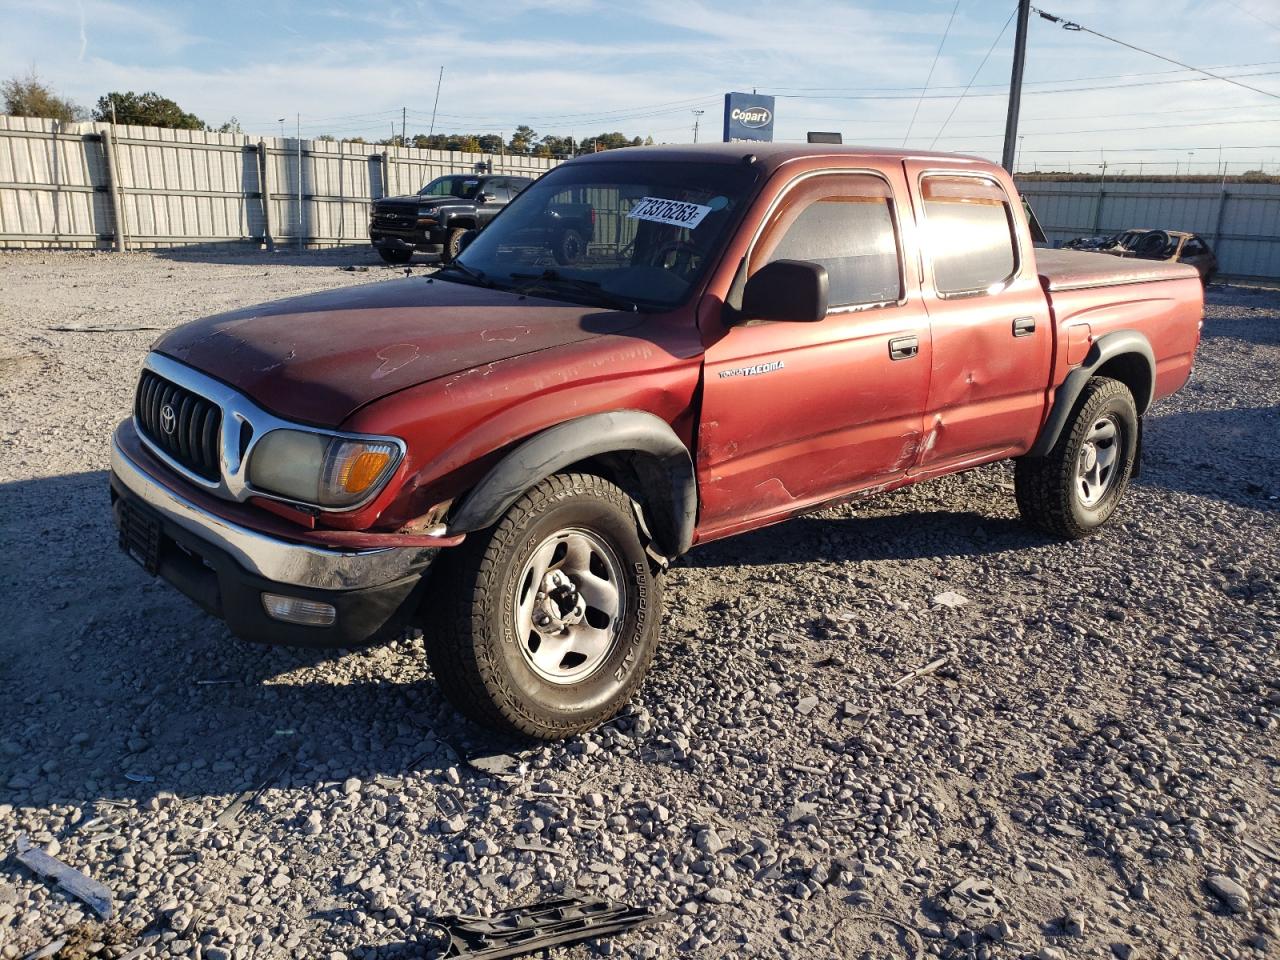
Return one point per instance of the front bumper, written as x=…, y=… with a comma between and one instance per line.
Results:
x=225, y=567
x=423, y=241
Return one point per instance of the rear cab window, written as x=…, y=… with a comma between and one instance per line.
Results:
x=848, y=224
x=969, y=234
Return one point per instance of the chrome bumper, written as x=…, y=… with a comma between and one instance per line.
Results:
x=268, y=557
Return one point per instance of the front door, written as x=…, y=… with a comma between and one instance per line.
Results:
x=794, y=414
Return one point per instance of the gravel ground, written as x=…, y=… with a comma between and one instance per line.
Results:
x=1095, y=758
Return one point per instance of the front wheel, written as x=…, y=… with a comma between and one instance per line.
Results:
x=1074, y=489
x=452, y=244
x=545, y=624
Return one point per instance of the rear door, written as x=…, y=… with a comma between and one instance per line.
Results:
x=989, y=318
x=797, y=413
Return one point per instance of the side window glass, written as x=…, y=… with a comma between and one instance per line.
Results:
x=969, y=234
x=498, y=187
x=847, y=225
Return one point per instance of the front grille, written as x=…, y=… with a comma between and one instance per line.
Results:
x=184, y=425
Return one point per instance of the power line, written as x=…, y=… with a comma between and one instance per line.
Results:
x=1074, y=27
x=1245, y=10
x=925, y=89
x=955, y=106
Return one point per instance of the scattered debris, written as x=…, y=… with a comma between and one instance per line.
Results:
x=247, y=797
x=539, y=926
x=48, y=950
x=1229, y=892
x=537, y=846
x=354, y=268
x=78, y=884
x=67, y=329
x=139, y=777
x=216, y=680
x=1261, y=849
x=497, y=763
x=972, y=899
x=448, y=805
x=924, y=671
x=950, y=599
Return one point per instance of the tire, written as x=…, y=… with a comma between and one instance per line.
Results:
x=534, y=683
x=569, y=247
x=452, y=245
x=395, y=255
x=1062, y=493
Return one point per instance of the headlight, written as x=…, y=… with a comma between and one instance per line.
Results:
x=426, y=213
x=319, y=469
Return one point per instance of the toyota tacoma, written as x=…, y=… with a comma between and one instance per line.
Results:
x=510, y=453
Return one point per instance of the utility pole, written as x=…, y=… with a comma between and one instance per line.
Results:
x=1015, y=85
x=439, y=82
x=697, y=118
x=301, y=245
x=404, y=112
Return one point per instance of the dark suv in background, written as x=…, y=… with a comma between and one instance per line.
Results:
x=435, y=218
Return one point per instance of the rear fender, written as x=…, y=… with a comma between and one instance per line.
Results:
x=1126, y=353
x=659, y=459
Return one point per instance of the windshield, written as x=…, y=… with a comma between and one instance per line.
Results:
x=612, y=232
x=461, y=186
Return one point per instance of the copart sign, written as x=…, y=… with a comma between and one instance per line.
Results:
x=747, y=116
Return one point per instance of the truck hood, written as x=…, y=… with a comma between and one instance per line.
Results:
x=318, y=358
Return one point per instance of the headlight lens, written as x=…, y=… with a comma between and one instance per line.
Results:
x=319, y=469
x=426, y=213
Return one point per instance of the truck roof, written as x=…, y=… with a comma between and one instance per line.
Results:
x=772, y=155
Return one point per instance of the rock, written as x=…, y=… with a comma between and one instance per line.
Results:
x=718, y=895
x=806, y=705
x=1050, y=953
x=351, y=786
x=1229, y=892
x=950, y=599
x=708, y=841
x=314, y=824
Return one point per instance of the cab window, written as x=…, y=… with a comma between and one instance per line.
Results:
x=846, y=224
x=969, y=235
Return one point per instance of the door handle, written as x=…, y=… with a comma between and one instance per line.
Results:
x=1024, y=326
x=904, y=348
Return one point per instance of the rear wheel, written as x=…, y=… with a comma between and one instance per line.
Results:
x=569, y=247
x=1074, y=489
x=547, y=621
x=395, y=254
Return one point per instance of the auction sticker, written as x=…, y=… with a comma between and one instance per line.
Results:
x=673, y=212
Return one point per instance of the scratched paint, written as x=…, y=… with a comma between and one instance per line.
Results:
x=394, y=357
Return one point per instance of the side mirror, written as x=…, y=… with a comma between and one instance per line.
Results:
x=795, y=290
x=464, y=241
x=486, y=197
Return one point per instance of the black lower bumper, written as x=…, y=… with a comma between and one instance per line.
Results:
x=220, y=586
x=430, y=241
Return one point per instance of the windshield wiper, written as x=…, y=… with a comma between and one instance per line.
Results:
x=477, y=276
x=554, y=278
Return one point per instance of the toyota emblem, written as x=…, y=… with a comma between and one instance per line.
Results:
x=168, y=419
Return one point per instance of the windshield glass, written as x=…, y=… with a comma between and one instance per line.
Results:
x=613, y=231
x=461, y=186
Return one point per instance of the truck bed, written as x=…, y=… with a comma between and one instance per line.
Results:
x=1081, y=270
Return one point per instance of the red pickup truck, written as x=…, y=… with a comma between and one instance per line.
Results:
x=509, y=454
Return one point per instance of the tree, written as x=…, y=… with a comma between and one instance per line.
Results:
x=29, y=97
x=147, y=110
x=231, y=126
x=489, y=143
x=522, y=140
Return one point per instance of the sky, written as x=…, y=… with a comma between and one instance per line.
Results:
x=578, y=67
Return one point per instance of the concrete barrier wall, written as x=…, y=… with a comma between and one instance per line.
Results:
x=76, y=185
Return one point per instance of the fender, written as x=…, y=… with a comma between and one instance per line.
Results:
x=1107, y=347
x=671, y=512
